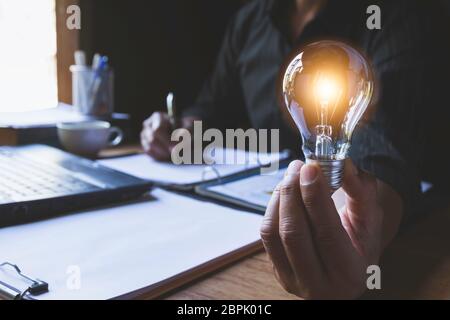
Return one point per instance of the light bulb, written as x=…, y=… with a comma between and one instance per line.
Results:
x=326, y=88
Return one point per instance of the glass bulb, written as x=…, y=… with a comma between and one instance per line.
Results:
x=326, y=88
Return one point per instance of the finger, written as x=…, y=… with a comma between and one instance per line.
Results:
x=157, y=153
x=158, y=125
x=162, y=138
x=144, y=141
x=272, y=243
x=160, y=120
x=155, y=117
x=357, y=184
x=147, y=122
x=161, y=129
x=332, y=241
x=152, y=139
x=295, y=230
x=153, y=147
x=361, y=203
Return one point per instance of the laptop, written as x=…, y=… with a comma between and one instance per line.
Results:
x=38, y=182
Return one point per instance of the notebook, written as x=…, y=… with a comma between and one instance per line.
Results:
x=125, y=251
x=186, y=177
x=251, y=190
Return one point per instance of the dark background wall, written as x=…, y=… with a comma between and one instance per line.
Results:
x=155, y=47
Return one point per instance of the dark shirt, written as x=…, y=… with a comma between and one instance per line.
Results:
x=399, y=138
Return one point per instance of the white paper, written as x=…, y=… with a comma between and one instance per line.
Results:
x=144, y=167
x=256, y=189
x=46, y=117
x=125, y=248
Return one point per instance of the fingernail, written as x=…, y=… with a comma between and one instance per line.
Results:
x=308, y=174
x=292, y=168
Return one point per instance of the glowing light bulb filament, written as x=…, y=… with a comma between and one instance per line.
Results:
x=327, y=93
x=326, y=90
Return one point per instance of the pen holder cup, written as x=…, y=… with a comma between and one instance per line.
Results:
x=91, y=96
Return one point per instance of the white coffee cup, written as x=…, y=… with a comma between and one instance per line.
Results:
x=89, y=137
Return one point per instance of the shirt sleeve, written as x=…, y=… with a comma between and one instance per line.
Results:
x=390, y=141
x=220, y=103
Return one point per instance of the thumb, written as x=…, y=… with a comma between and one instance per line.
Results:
x=331, y=238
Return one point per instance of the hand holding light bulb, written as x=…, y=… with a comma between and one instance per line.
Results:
x=318, y=251
x=327, y=88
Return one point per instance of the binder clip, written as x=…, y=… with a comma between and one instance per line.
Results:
x=37, y=287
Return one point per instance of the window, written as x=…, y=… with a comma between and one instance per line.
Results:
x=27, y=55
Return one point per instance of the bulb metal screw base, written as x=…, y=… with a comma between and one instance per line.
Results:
x=333, y=170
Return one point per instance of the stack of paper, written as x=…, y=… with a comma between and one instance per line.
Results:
x=130, y=249
x=144, y=167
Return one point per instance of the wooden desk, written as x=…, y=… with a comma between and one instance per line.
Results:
x=415, y=266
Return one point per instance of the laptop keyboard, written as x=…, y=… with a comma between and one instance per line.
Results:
x=22, y=178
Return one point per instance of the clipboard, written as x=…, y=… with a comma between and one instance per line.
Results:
x=143, y=248
x=210, y=190
x=35, y=287
x=136, y=166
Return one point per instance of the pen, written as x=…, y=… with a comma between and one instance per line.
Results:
x=96, y=61
x=171, y=109
x=97, y=81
